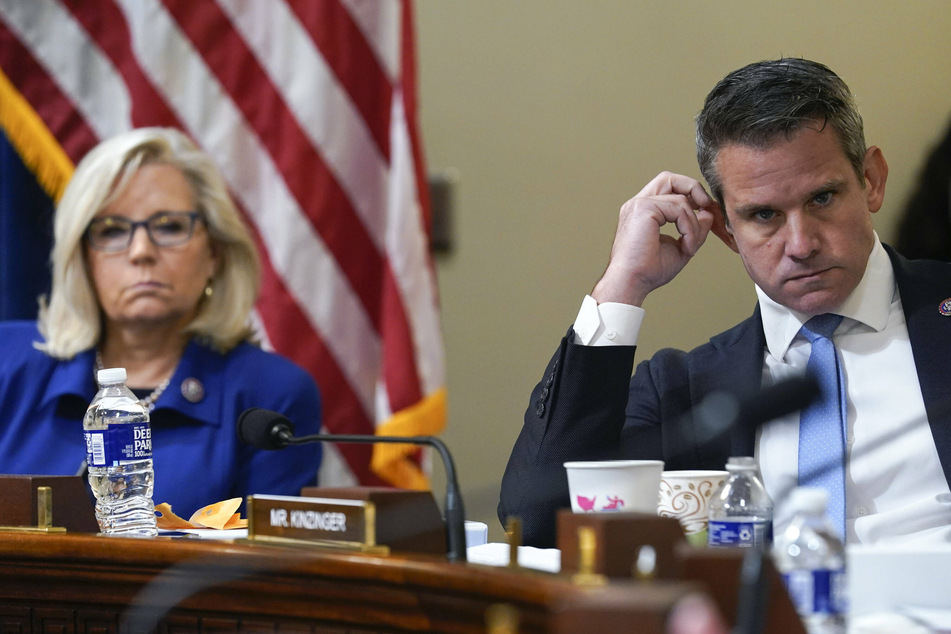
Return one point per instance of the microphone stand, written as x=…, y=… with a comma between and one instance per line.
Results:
x=455, y=514
x=753, y=595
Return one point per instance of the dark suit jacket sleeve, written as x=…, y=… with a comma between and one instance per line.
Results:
x=577, y=412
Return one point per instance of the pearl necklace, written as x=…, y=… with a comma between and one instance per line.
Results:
x=149, y=401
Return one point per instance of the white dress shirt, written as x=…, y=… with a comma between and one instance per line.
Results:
x=895, y=487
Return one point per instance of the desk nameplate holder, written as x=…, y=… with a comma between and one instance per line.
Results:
x=312, y=521
x=44, y=515
x=69, y=495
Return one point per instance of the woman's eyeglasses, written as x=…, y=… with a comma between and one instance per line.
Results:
x=164, y=228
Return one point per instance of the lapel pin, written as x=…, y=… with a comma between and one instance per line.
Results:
x=945, y=307
x=194, y=391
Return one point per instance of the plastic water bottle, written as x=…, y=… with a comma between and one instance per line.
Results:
x=119, y=458
x=811, y=558
x=741, y=513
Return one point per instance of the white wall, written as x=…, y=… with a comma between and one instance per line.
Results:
x=554, y=112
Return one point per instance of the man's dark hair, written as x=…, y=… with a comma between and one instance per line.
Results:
x=761, y=102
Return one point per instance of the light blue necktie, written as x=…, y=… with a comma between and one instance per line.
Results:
x=822, y=424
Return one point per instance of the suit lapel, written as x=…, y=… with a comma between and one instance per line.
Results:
x=923, y=286
x=734, y=364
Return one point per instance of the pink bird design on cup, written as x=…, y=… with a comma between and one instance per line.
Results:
x=586, y=504
x=614, y=504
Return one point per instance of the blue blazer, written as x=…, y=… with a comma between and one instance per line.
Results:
x=588, y=407
x=197, y=456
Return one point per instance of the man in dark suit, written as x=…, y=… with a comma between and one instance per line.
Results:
x=782, y=148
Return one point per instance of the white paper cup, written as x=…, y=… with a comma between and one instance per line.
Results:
x=614, y=485
x=686, y=495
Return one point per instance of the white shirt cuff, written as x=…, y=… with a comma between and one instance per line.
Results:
x=607, y=324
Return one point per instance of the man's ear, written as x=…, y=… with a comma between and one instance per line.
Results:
x=720, y=227
x=876, y=173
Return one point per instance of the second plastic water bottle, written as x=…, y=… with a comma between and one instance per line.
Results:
x=741, y=512
x=811, y=558
x=119, y=458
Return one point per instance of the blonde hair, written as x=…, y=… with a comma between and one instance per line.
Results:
x=71, y=321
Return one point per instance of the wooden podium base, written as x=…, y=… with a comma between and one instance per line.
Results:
x=619, y=538
x=623, y=607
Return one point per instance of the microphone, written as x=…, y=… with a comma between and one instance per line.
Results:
x=721, y=411
x=787, y=396
x=265, y=429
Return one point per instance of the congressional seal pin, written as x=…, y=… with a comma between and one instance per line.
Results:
x=945, y=307
x=193, y=390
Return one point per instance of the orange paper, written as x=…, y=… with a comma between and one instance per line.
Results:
x=168, y=520
x=220, y=515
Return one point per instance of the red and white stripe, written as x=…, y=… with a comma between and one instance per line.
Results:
x=308, y=106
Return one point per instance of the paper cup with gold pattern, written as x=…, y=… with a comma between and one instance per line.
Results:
x=686, y=495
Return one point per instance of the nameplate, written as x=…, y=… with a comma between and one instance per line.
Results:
x=323, y=521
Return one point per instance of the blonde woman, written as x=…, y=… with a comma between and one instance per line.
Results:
x=153, y=271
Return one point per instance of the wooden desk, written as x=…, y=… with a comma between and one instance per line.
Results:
x=87, y=583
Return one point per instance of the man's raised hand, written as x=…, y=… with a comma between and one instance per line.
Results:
x=642, y=257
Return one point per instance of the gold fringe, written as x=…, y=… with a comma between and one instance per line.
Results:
x=38, y=148
x=428, y=417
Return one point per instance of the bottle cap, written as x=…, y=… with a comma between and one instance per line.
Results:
x=111, y=375
x=740, y=463
x=809, y=499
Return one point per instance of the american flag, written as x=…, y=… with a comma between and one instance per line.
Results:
x=309, y=108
